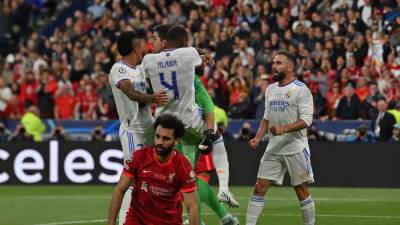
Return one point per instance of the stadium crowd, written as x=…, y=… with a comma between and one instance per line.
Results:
x=348, y=54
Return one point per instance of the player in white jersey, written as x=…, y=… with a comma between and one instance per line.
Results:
x=219, y=156
x=173, y=69
x=288, y=113
x=129, y=91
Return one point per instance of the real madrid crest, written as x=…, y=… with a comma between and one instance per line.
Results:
x=288, y=94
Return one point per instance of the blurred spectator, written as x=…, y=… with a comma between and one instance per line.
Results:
x=238, y=101
x=383, y=123
x=45, y=91
x=349, y=107
x=105, y=104
x=5, y=97
x=97, y=9
x=97, y=134
x=27, y=92
x=59, y=133
x=65, y=103
x=257, y=96
x=246, y=133
x=86, y=103
x=396, y=133
x=371, y=99
x=361, y=134
x=396, y=111
x=220, y=116
x=4, y=133
x=33, y=124
x=344, y=41
x=20, y=134
x=362, y=88
x=332, y=100
x=224, y=132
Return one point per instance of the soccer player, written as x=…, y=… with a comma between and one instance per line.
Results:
x=203, y=100
x=288, y=113
x=128, y=88
x=162, y=177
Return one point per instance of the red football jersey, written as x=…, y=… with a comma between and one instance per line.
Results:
x=156, y=197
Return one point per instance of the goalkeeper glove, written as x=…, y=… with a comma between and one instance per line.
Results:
x=206, y=144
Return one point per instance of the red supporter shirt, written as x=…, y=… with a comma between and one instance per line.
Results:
x=156, y=196
x=66, y=106
x=27, y=92
x=86, y=100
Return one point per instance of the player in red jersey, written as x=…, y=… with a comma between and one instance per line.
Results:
x=161, y=174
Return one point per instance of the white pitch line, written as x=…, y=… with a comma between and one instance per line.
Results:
x=317, y=215
x=74, y=222
x=58, y=197
x=242, y=214
x=327, y=199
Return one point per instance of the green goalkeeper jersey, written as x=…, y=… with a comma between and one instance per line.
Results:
x=202, y=99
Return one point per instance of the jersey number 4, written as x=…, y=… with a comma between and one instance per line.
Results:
x=173, y=86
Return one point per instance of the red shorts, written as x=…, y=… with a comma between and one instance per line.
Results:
x=204, y=164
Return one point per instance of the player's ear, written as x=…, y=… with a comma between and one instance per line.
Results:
x=164, y=43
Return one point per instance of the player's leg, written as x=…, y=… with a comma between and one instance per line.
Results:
x=270, y=170
x=299, y=168
x=307, y=206
x=203, y=170
x=220, y=160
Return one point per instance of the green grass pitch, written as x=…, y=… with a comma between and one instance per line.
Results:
x=88, y=205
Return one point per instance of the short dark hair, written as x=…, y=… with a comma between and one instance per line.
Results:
x=289, y=56
x=162, y=30
x=125, y=42
x=170, y=122
x=177, y=35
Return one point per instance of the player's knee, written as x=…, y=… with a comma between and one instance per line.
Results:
x=261, y=187
x=302, y=191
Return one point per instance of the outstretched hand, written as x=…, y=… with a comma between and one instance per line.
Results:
x=160, y=98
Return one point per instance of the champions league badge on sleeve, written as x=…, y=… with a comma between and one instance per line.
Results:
x=122, y=70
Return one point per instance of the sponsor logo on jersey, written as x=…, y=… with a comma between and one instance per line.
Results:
x=146, y=171
x=144, y=186
x=171, y=178
x=278, y=105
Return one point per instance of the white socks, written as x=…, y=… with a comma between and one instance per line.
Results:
x=220, y=160
x=125, y=206
x=254, y=209
x=307, y=209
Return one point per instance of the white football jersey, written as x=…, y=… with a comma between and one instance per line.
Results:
x=129, y=112
x=285, y=105
x=174, y=71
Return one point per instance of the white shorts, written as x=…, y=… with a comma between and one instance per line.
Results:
x=133, y=140
x=273, y=168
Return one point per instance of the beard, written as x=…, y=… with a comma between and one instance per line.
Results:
x=163, y=151
x=278, y=76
